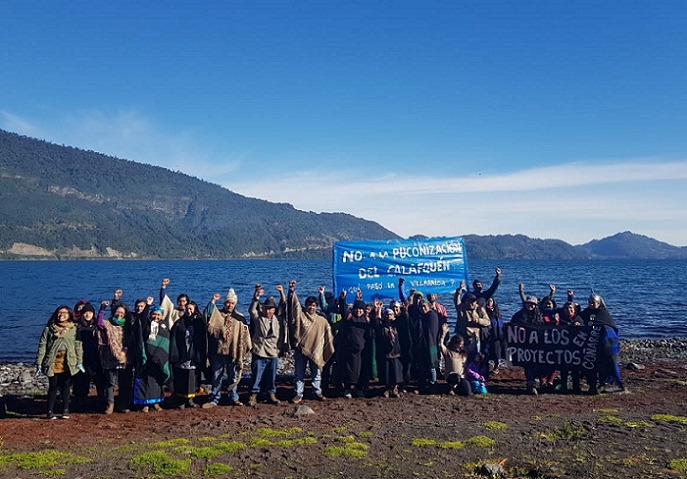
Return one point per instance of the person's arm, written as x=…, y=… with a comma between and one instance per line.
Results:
x=552, y=291
x=253, y=310
x=401, y=291
x=101, y=314
x=215, y=320
x=494, y=285
x=521, y=290
x=458, y=294
x=442, y=339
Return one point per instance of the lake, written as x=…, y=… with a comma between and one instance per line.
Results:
x=646, y=298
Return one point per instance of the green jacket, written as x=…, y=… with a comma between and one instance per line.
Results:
x=50, y=343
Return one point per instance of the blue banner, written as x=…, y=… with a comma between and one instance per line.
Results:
x=431, y=265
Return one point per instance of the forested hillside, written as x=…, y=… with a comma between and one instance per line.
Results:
x=58, y=201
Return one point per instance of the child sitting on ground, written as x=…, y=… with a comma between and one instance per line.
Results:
x=477, y=371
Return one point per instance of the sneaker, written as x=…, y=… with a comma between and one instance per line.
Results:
x=386, y=394
x=208, y=405
x=532, y=391
x=451, y=392
x=145, y=409
x=395, y=393
x=235, y=402
x=157, y=407
x=51, y=416
x=191, y=403
x=65, y=415
x=252, y=400
x=347, y=394
x=319, y=397
x=296, y=399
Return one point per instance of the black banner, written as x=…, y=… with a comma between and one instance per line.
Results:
x=573, y=348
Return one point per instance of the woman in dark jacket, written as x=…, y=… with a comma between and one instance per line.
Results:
x=87, y=332
x=354, y=340
x=188, y=354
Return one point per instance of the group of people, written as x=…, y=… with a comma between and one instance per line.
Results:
x=141, y=353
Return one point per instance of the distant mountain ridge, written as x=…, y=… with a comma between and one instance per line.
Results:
x=64, y=202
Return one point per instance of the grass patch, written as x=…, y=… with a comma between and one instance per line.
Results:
x=296, y=442
x=635, y=424
x=365, y=434
x=260, y=442
x=608, y=411
x=207, y=439
x=567, y=432
x=422, y=442
x=354, y=450
x=42, y=460
x=452, y=445
x=612, y=420
x=339, y=430
x=496, y=425
x=217, y=469
x=349, y=438
x=53, y=473
x=678, y=464
x=160, y=464
x=268, y=432
x=182, y=441
x=682, y=420
x=481, y=441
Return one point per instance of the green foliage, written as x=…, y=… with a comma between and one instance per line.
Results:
x=481, y=441
x=452, y=445
x=496, y=425
x=217, y=469
x=354, y=450
x=682, y=420
x=160, y=464
x=423, y=442
x=679, y=465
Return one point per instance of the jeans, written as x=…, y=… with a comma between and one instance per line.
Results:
x=224, y=373
x=258, y=368
x=301, y=362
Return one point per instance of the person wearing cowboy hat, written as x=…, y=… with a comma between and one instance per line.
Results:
x=268, y=335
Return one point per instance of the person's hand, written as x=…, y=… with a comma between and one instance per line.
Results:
x=104, y=304
x=552, y=288
x=498, y=272
x=150, y=300
x=343, y=294
x=215, y=298
x=521, y=286
x=80, y=368
x=445, y=327
x=38, y=371
x=570, y=293
x=280, y=288
x=359, y=294
x=401, y=280
x=461, y=286
x=165, y=283
x=321, y=289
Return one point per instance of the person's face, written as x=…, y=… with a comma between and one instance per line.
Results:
x=571, y=310
x=156, y=316
x=229, y=306
x=477, y=286
x=397, y=310
x=425, y=308
x=268, y=312
x=182, y=302
x=594, y=303
x=63, y=315
x=311, y=308
x=190, y=309
x=490, y=303
x=120, y=313
x=87, y=316
x=473, y=305
x=358, y=312
x=548, y=304
x=530, y=306
x=140, y=306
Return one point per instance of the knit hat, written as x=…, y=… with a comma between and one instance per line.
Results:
x=231, y=296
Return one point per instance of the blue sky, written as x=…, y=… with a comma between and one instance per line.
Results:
x=551, y=119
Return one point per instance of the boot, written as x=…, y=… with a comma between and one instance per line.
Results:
x=273, y=399
x=253, y=400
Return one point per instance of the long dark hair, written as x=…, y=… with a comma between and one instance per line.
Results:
x=53, y=317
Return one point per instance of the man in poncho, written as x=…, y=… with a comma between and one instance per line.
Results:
x=229, y=342
x=313, y=342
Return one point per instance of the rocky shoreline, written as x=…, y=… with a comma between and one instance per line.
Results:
x=20, y=378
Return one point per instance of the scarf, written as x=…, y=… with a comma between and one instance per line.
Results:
x=118, y=322
x=59, y=329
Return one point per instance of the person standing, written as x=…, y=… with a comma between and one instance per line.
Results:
x=229, y=341
x=312, y=340
x=60, y=354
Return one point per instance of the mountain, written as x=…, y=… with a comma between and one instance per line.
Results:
x=625, y=245
x=63, y=202
x=631, y=245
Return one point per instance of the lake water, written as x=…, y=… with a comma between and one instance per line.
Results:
x=647, y=299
